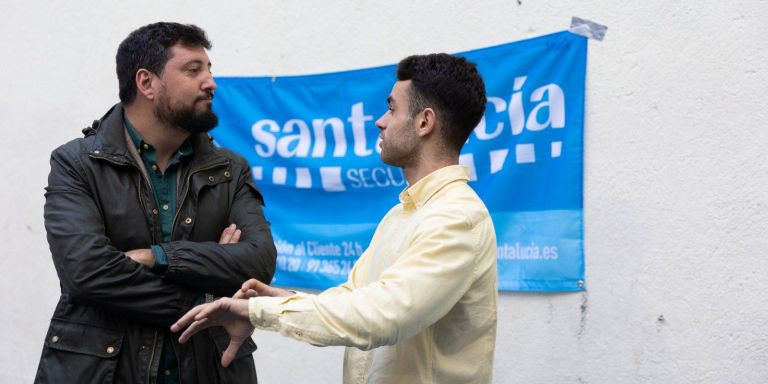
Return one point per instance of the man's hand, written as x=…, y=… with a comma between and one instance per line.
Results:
x=230, y=235
x=142, y=256
x=229, y=313
x=255, y=288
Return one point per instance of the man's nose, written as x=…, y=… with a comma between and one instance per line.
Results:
x=210, y=84
x=381, y=123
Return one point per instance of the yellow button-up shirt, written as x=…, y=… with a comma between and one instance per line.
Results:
x=420, y=303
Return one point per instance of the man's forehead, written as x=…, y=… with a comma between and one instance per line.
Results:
x=400, y=90
x=186, y=53
x=401, y=85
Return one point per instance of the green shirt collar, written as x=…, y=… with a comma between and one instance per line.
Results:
x=142, y=146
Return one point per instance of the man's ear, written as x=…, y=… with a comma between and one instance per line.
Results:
x=144, y=83
x=426, y=121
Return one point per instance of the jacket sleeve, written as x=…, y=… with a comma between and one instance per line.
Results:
x=91, y=270
x=222, y=269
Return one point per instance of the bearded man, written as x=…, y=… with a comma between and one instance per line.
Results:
x=145, y=218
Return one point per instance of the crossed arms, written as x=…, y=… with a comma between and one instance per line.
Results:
x=94, y=272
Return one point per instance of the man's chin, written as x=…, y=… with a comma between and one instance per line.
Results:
x=199, y=123
x=206, y=123
x=387, y=160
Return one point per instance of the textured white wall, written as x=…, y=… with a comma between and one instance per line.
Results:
x=676, y=188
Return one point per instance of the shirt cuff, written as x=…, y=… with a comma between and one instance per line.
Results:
x=264, y=312
x=161, y=260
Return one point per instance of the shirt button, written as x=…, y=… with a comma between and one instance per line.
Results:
x=227, y=174
x=167, y=372
x=154, y=211
x=145, y=146
x=299, y=333
x=55, y=339
x=165, y=207
x=211, y=179
x=143, y=347
x=154, y=167
x=110, y=350
x=188, y=220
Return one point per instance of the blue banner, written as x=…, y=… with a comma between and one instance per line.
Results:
x=312, y=143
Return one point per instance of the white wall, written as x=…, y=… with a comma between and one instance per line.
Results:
x=676, y=177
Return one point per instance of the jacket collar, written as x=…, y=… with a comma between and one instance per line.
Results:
x=110, y=140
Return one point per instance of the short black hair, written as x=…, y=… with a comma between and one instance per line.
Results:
x=452, y=86
x=149, y=47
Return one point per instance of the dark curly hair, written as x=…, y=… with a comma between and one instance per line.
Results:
x=149, y=47
x=452, y=86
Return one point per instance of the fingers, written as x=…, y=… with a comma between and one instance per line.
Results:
x=253, y=284
x=194, y=328
x=197, y=318
x=255, y=288
x=227, y=233
x=185, y=320
x=231, y=351
x=236, y=236
x=245, y=294
x=240, y=295
x=250, y=288
x=246, y=290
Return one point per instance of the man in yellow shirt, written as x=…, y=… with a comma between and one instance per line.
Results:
x=420, y=304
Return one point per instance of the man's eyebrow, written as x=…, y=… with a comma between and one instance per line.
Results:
x=195, y=62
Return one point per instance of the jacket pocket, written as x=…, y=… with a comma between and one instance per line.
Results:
x=242, y=369
x=79, y=353
x=221, y=339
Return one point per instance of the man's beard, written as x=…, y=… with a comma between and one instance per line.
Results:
x=185, y=117
x=402, y=150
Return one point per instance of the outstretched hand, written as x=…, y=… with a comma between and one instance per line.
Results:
x=232, y=314
x=255, y=288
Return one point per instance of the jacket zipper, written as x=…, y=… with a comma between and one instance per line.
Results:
x=154, y=340
x=151, y=358
x=180, y=204
x=143, y=180
x=144, y=207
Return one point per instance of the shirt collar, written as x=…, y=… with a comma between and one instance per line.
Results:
x=142, y=146
x=416, y=195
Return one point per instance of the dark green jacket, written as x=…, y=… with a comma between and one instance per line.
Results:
x=113, y=313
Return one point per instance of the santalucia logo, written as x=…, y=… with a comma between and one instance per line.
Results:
x=340, y=166
x=306, y=143
x=551, y=108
